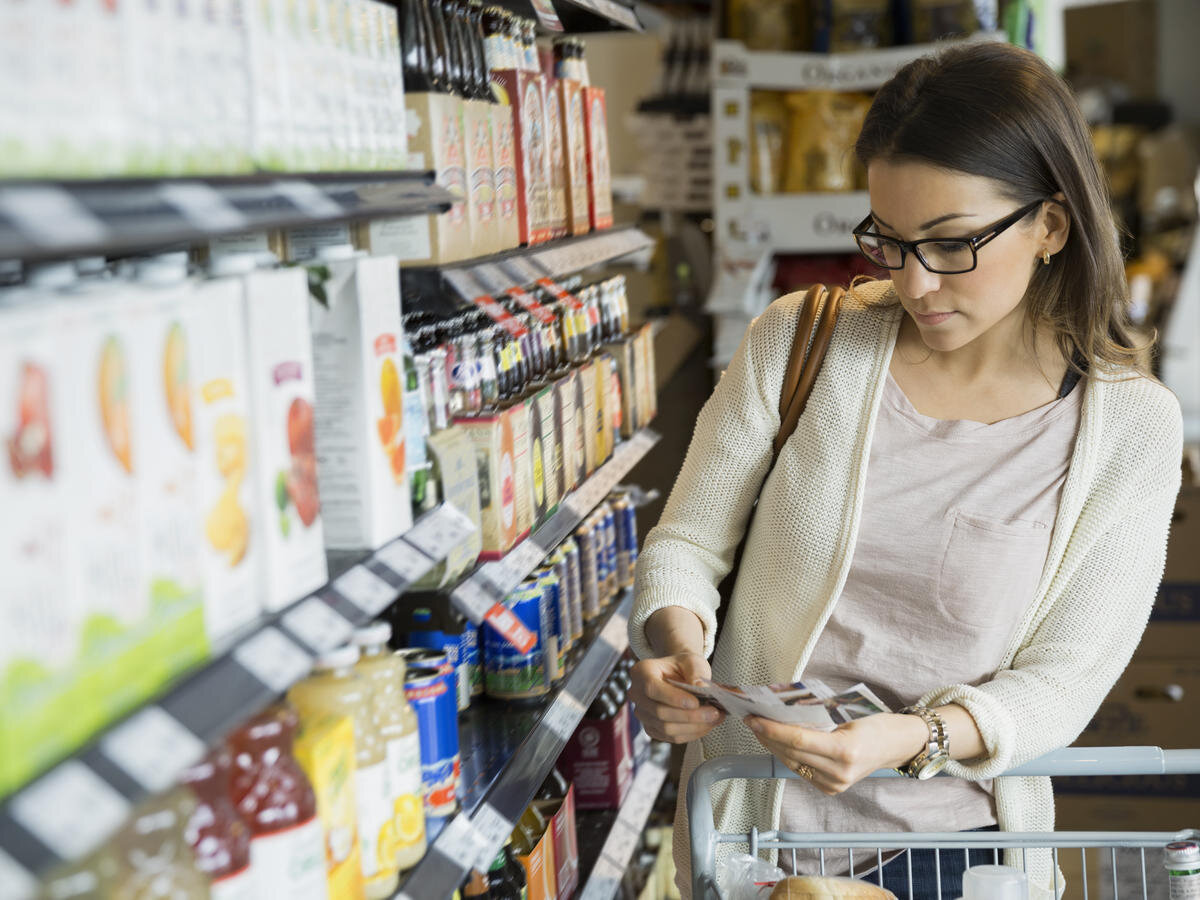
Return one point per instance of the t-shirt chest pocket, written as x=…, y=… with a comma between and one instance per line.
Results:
x=991, y=569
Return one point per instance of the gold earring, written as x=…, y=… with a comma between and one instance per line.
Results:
x=1045, y=257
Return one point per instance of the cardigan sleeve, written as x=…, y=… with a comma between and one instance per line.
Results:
x=685, y=556
x=1059, y=677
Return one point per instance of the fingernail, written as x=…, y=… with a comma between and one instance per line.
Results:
x=754, y=726
x=711, y=714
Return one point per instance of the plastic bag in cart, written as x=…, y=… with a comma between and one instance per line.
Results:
x=746, y=877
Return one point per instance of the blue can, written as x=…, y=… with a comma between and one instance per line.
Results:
x=449, y=645
x=574, y=612
x=627, y=540
x=430, y=692
x=560, y=614
x=470, y=657
x=509, y=674
x=570, y=551
x=595, y=527
x=608, y=525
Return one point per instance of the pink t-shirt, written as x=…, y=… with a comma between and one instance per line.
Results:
x=954, y=534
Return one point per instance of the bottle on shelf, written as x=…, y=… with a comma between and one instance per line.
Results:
x=555, y=787
x=218, y=837
x=151, y=858
x=476, y=886
x=417, y=66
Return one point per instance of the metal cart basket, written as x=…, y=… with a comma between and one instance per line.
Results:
x=1075, y=761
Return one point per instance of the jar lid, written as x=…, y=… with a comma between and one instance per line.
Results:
x=1182, y=854
x=341, y=658
x=372, y=635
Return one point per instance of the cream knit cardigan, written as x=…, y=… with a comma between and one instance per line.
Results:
x=1071, y=644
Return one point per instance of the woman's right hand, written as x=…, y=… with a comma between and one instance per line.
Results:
x=669, y=713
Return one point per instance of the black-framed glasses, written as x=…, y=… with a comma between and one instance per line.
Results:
x=942, y=256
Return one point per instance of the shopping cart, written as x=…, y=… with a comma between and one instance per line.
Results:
x=1071, y=761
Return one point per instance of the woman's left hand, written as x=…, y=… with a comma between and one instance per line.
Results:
x=836, y=760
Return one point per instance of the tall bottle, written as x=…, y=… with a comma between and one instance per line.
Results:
x=443, y=26
x=150, y=857
x=397, y=723
x=475, y=27
x=496, y=39
x=335, y=689
x=418, y=76
x=218, y=837
x=435, y=48
x=275, y=800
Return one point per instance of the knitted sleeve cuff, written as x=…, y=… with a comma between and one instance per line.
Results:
x=652, y=598
x=995, y=724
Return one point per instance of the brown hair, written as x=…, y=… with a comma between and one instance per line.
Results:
x=995, y=110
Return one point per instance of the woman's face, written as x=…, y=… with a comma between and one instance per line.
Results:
x=913, y=200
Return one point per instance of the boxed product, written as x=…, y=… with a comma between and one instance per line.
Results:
x=541, y=869
x=585, y=413
x=226, y=498
x=492, y=438
x=625, y=355
x=504, y=157
x=324, y=748
x=521, y=415
x=603, y=422
x=280, y=367
x=569, y=391
x=394, y=155
x=482, y=220
x=525, y=93
x=598, y=761
x=545, y=455
x=422, y=486
x=647, y=388
x=354, y=311
x=600, y=204
x=556, y=139
x=575, y=155
x=454, y=466
x=271, y=88
x=561, y=815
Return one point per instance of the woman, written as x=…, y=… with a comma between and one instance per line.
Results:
x=971, y=516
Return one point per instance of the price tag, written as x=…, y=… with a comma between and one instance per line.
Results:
x=500, y=315
x=507, y=573
x=526, y=302
x=502, y=619
x=621, y=843
x=72, y=810
x=493, y=829
x=616, y=633
x=152, y=748
x=604, y=881
x=317, y=624
x=203, y=207
x=564, y=295
x=492, y=277
x=642, y=794
x=16, y=883
x=309, y=198
x=406, y=561
x=462, y=282
x=51, y=217
x=365, y=589
x=438, y=533
x=273, y=659
x=563, y=716
x=474, y=600
x=546, y=15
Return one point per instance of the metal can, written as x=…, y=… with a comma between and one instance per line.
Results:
x=595, y=529
x=627, y=539
x=570, y=551
x=508, y=673
x=608, y=522
x=432, y=698
x=558, y=561
x=447, y=644
x=469, y=657
x=560, y=614
x=589, y=581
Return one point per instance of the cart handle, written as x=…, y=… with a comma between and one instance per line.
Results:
x=1067, y=761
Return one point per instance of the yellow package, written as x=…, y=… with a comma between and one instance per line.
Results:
x=822, y=129
x=769, y=24
x=325, y=750
x=768, y=124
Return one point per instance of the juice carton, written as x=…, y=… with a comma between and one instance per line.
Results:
x=389, y=74
x=541, y=869
x=575, y=154
x=481, y=177
x=164, y=426
x=600, y=205
x=492, y=439
x=545, y=455
x=570, y=434
x=598, y=760
x=42, y=689
x=287, y=524
x=311, y=121
x=556, y=138
x=561, y=815
x=586, y=412
x=325, y=750
x=504, y=156
x=525, y=93
x=270, y=89
x=231, y=560
x=521, y=415
x=454, y=466
x=354, y=308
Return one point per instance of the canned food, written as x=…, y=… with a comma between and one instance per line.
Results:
x=558, y=561
x=447, y=644
x=469, y=656
x=431, y=696
x=549, y=582
x=507, y=672
x=589, y=572
x=608, y=522
x=570, y=551
x=627, y=542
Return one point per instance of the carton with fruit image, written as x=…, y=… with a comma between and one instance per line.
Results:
x=354, y=305
x=288, y=529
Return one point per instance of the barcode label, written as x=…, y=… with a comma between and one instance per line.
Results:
x=152, y=748
x=365, y=589
x=273, y=659
x=50, y=217
x=16, y=883
x=462, y=282
x=317, y=624
x=440, y=532
x=616, y=633
x=406, y=561
x=622, y=841
x=493, y=829
x=72, y=810
x=203, y=207
x=492, y=279
x=473, y=600
x=309, y=198
x=562, y=718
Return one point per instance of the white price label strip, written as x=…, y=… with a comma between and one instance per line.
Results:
x=474, y=842
x=616, y=633
x=642, y=794
x=51, y=217
x=318, y=625
x=72, y=810
x=409, y=563
x=365, y=589
x=473, y=600
x=16, y=883
x=507, y=573
x=493, y=829
x=152, y=747
x=202, y=206
x=273, y=659
x=605, y=879
x=492, y=278
x=309, y=198
x=563, y=716
x=621, y=843
x=521, y=271
x=461, y=280
x=441, y=531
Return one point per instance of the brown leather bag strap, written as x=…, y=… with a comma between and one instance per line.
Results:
x=821, y=308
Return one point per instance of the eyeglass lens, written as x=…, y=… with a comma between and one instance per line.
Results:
x=940, y=256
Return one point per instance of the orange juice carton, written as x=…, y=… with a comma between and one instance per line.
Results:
x=600, y=204
x=42, y=684
x=325, y=750
x=525, y=93
x=492, y=439
x=575, y=155
x=587, y=414
x=231, y=560
x=570, y=437
x=282, y=394
x=561, y=816
x=270, y=88
x=557, y=150
x=164, y=425
x=483, y=222
x=541, y=870
x=504, y=157
x=354, y=308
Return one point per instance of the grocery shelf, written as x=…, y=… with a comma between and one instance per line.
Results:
x=51, y=219
x=495, y=274
x=508, y=750
x=576, y=16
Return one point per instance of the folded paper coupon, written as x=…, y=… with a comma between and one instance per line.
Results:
x=810, y=703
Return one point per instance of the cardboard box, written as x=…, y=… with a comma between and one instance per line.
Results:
x=481, y=178
x=492, y=439
x=545, y=455
x=282, y=392
x=575, y=154
x=1153, y=703
x=556, y=138
x=603, y=421
x=359, y=381
x=587, y=379
x=598, y=761
x=650, y=369
x=520, y=414
x=625, y=355
x=525, y=93
x=541, y=869
x=600, y=204
x=435, y=141
x=570, y=430
x=504, y=157
x=561, y=815
x=454, y=466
